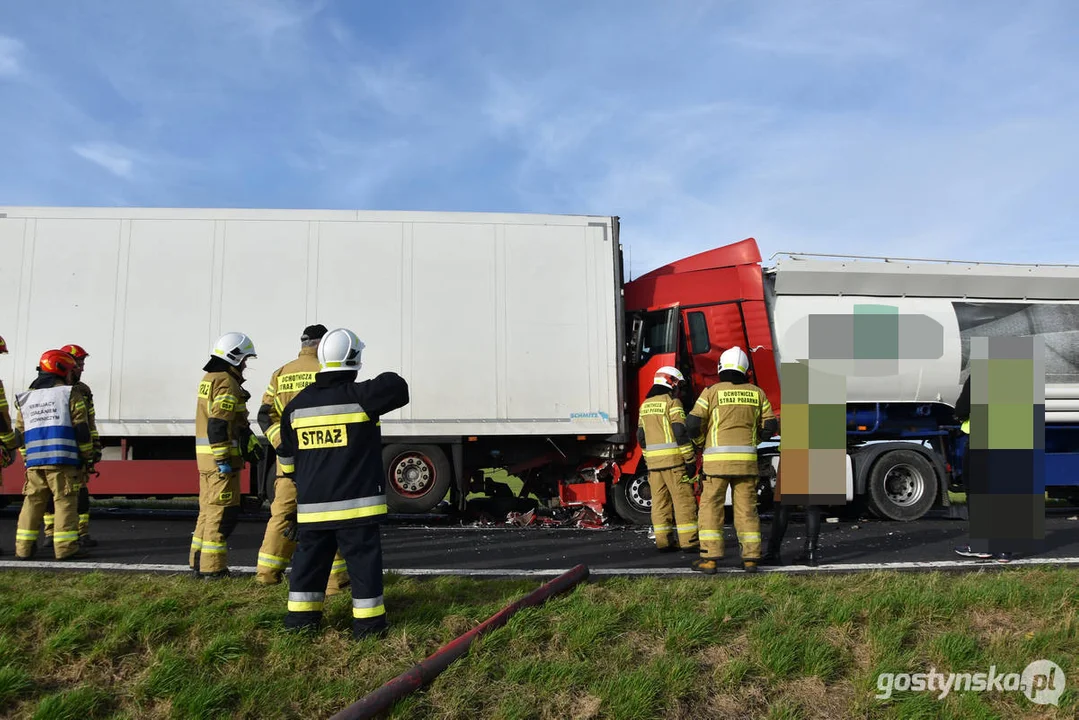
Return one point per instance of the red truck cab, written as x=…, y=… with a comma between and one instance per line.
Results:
x=686, y=314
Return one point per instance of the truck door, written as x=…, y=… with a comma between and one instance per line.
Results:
x=653, y=344
x=710, y=329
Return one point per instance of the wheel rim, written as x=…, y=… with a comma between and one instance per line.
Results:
x=639, y=493
x=904, y=485
x=413, y=475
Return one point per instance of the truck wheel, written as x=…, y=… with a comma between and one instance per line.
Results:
x=633, y=499
x=417, y=477
x=902, y=485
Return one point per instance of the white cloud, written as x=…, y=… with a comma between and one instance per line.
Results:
x=508, y=105
x=116, y=159
x=865, y=129
x=391, y=86
x=824, y=30
x=10, y=53
x=268, y=18
x=897, y=128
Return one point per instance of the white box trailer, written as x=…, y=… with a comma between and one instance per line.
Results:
x=503, y=325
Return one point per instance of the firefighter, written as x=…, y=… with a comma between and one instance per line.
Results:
x=285, y=384
x=223, y=441
x=671, y=462
x=9, y=440
x=54, y=426
x=80, y=356
x=730, y=419
x=331, y=446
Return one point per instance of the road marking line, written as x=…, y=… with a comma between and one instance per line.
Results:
x=520, y=572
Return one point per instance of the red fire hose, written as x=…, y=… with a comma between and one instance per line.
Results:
x=429, y=669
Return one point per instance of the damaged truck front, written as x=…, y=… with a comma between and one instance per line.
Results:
x=903, y=443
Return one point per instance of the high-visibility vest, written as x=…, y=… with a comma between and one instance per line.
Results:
x=48, y=432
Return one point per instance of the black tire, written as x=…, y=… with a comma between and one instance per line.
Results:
x=632, y=499
x=902, y=485
x=417, y=477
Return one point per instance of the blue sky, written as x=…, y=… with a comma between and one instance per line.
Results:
x=925, y=129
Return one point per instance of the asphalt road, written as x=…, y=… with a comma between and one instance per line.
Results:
x=138, y=539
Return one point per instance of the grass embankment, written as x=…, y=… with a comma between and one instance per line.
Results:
x=89, y=646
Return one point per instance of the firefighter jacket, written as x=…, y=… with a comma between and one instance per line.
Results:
x=9, y=439
x=221, y=420
x=730, y=422
x=53, y=422
x=661, y=431
x=331, y=446
x=285, y=384
x=91, y=417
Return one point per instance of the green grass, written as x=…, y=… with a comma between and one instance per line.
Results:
x=772, y=646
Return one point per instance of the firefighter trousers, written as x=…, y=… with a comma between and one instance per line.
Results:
x=83, y=508
x=361, y=546
x=747, y=523
x=219, y=511
x=277, y=550
x=58, y=483
x=674, y=508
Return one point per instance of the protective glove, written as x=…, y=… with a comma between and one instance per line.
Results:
x=292, y=528
x=253, y=452
x=223, y=467
x=691, y=472
x=6, y=458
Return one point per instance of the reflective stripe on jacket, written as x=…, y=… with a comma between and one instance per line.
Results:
x=220, y=399
x=331, y=446
x=732, y=419
x=8, y=439
x=91, y=413
x=661, y=449
x=285, y=384
x=48, y=417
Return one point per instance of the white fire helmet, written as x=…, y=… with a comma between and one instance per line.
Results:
x=233, y=347
x=668, y=376
x=734, y=359
x=340, y=349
